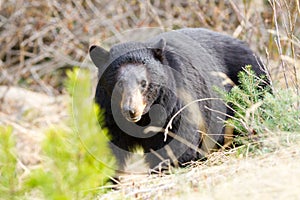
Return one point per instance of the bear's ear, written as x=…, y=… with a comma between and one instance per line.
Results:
x=158, y=48
x=99, y=56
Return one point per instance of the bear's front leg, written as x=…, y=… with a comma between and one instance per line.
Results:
x=175, y=152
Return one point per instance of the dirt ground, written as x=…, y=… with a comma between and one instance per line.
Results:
x=224, y=176
x=270, y=176
x=30, y=114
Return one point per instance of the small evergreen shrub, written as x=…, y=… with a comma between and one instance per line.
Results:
x=77, y=161
x=260, y=112
x=9, y=180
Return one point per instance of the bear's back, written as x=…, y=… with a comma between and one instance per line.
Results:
x=230, y=54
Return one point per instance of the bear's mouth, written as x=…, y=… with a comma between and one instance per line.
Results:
x=134, y=119
x=132, y=115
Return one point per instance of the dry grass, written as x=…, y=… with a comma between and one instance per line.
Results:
x=223, y=175
x=38, y=38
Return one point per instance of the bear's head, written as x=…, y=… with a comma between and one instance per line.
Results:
x=135, y=71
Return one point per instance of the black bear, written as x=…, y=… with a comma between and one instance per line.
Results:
x=159, y=94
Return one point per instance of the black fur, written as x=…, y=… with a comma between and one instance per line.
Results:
x=181, y=67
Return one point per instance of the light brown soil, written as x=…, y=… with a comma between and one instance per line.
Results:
x=30, y=114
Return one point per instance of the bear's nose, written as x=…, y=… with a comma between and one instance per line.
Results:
x=131, y=113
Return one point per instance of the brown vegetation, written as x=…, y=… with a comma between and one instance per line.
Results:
x=40, y=37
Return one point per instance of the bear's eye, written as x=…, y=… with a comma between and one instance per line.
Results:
x=143, y=83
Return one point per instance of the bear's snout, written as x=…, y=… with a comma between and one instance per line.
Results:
x=131, y=114
x=132, y=106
